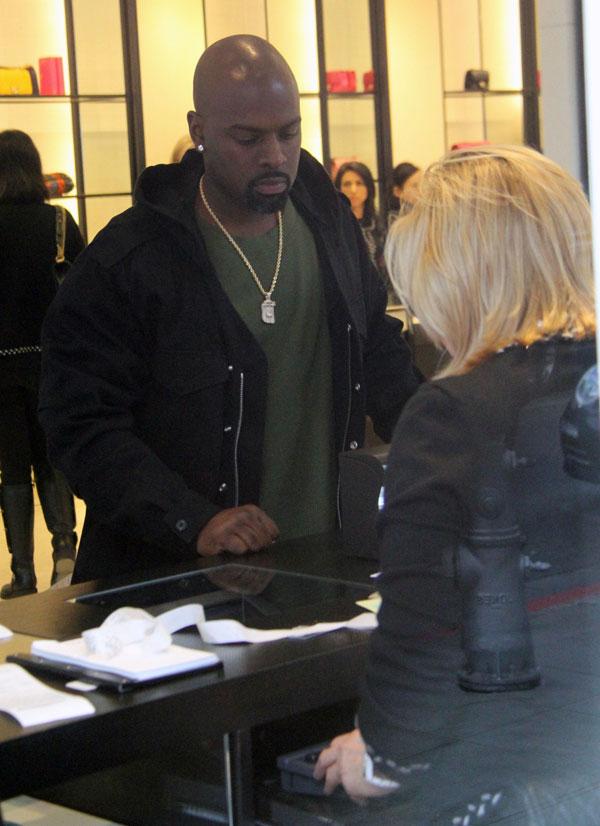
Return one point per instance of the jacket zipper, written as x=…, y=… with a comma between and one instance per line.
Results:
x=347, y=425
x=236, y=475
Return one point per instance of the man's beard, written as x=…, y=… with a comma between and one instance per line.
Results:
x=266, y=204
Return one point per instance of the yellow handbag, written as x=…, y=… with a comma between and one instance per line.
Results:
x=18, y=80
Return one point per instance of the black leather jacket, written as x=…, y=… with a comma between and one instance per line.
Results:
x=154, y=391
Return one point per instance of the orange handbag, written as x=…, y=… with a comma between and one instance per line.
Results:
x=18, y=80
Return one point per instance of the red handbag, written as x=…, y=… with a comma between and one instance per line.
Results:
x=341, y=81
x=369, y=81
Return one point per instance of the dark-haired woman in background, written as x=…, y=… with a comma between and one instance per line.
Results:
x=406, y=182
x=355, y=180
x=27, y=286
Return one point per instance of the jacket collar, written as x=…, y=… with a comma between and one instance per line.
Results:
x=170, y=189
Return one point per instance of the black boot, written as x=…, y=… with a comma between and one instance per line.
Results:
x=58, y=508
x=17, y=512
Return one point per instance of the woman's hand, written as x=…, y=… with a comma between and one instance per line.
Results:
x=343, y=763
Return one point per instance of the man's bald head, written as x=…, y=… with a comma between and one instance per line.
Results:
x=240, y=63
x=246, y=123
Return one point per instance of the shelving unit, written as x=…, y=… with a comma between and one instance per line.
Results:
x=93, y=133
x=509, y=113
x=351, y=36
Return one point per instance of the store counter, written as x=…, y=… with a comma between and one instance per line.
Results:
x=298, y=582
x=522, y=758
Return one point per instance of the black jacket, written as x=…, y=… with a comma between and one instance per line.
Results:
x=27, y=284
x=154, y=391
x=438, y=475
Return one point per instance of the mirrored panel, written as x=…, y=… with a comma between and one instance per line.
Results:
x=352, y=131
x=100, y=210
x=310, y=111
x=464, y=120
x=225, y=17
x=501, y=43
x=347, y=38
x=293, y=30
x=504, y=118
x=105, y=147
x=461, y=44
x=98, y=47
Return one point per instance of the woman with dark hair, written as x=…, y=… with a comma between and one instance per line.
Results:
x=355, y=180
x=406, y=181
x=28, y=248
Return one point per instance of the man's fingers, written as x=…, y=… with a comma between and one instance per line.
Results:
x=237, y=530
x=260, y=520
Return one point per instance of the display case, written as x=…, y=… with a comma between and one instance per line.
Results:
x=353, y=86
x=86, y=118
x=496, y=37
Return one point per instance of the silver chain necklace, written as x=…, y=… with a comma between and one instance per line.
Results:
x=267, y=307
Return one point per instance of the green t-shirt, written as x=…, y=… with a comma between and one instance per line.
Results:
x=298, y=487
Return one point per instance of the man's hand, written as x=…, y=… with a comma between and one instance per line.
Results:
x=342, y=762
x=238, y=530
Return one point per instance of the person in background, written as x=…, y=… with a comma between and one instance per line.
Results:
x=355, y=180
x=181, y=147
x=28, y=248
x=406, y=182
x=496, y=261
x=218, y=344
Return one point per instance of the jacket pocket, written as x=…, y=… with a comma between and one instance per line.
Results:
x=183, y=372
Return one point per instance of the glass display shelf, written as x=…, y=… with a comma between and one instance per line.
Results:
x=57, y=98
x=258, y=597
x=483, y=93
x=350, y=94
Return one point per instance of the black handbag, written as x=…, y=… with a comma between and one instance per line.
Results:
x=477, y=80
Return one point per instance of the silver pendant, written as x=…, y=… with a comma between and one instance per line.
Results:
x=267, y=311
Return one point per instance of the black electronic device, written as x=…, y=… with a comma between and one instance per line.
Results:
x=361, y=498
x=98, y=678
x=296, y=770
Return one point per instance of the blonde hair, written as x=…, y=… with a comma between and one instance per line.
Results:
x=496, y=251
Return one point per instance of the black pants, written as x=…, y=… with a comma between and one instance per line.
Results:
x=22, y=441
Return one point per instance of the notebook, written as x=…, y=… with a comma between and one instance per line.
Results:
x=132, y=662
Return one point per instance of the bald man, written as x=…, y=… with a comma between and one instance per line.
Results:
x=219, y=343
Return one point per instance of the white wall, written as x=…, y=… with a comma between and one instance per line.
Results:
x=415, y=80
x=171, y=36
x=560, y=105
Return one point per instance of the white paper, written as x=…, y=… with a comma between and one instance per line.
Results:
x=132, y=662
x=127, y=626
x=5, y=633
x=31, y=702
x=224, y=632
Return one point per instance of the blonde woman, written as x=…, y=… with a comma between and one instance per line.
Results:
x=495, y=260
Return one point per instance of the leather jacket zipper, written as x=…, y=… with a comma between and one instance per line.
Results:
x=347, y=425
x=238, y=429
